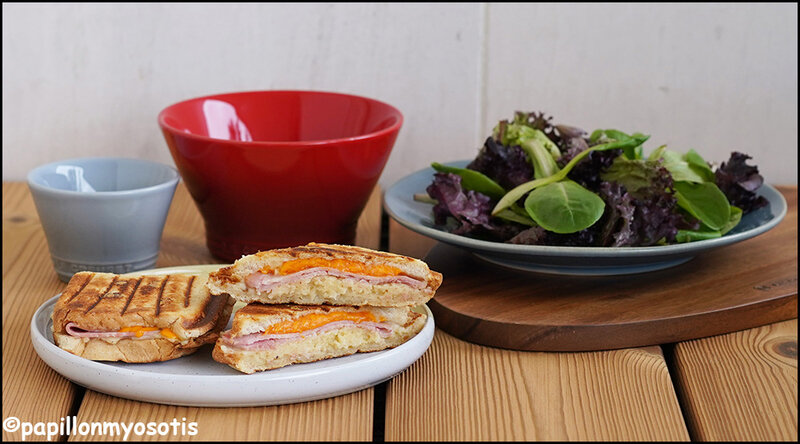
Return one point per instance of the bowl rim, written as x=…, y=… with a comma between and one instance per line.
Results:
x=170, y=182
x=395, y=127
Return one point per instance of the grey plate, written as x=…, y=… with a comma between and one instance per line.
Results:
x=589, y=261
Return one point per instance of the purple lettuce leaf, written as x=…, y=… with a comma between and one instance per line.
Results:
x=656, y=216
x=588, y=171
x=739, y=182
x=617, y=222
x=645, y=217
x=470, y=210
x=508, y=166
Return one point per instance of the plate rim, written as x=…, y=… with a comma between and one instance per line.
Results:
x=552, y=250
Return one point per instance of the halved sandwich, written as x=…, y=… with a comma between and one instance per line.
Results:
x=108, y=317
x=317, y=274
x=265, y=336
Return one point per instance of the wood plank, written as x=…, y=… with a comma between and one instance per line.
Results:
x=368, y=233
x=459, y=391
x=741, y=386
x=183, y=241
x=406, y=242
x=336, y=419
x=32, y=391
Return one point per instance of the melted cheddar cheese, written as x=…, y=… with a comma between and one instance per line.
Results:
x=167, y=333
x=345, y=265
x=315, y=320
x=140, y=331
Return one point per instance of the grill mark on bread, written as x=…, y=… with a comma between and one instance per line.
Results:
x=101, y=294
x=83, y=285
x=213, y=306
x=188, y=293
x=128, y=302
x=333, y=252
x=136, y=298
x=160, y=294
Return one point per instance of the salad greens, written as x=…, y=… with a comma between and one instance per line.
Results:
x=564, y=207
x=537, y=183
x=473, y=180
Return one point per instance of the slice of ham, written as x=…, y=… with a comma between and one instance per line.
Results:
x=260, y=341
x=74, y=330
x=266, y=282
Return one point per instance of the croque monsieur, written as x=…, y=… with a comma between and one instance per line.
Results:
x=265, y=336
x=317, y=274
x=107, y=317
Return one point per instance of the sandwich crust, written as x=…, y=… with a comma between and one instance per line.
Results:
x=345, y=340
x=105, y=303
x=322, y=288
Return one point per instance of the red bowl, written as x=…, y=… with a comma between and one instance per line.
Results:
x=271, y=169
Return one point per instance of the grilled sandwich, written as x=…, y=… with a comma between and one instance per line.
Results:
x=265, y=337
x=317, y=274
x=107, y=317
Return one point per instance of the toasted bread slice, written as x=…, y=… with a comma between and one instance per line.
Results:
x=317, y=274
x=103, y=316
x=265, y=337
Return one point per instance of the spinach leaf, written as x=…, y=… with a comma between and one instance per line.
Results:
x=736, y=217
x=564, y=207
x=680, y=169
x=707, y=233
x=473, y=180
x=516, y=193
x=636, y=175
x=699, y=165
x=632, y=152
x=513, y=216
x=684, y=236
x=705, y=202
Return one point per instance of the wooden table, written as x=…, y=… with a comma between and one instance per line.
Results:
x=739, y=386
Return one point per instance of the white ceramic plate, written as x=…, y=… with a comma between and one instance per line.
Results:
x=589, y=261
x=198, y=380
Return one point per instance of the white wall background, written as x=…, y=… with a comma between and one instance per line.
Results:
x=89, y=80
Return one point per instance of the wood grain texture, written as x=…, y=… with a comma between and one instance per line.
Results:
x=368, y=233
x=716, y=292
x=31, y=390
x=406, y=242
x=183, y=241
x=343, y=418
x=463, y=392
x=741, y=386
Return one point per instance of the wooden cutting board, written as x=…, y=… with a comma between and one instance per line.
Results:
x=741, y=286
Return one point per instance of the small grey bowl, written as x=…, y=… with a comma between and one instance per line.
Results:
x=103, y=214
